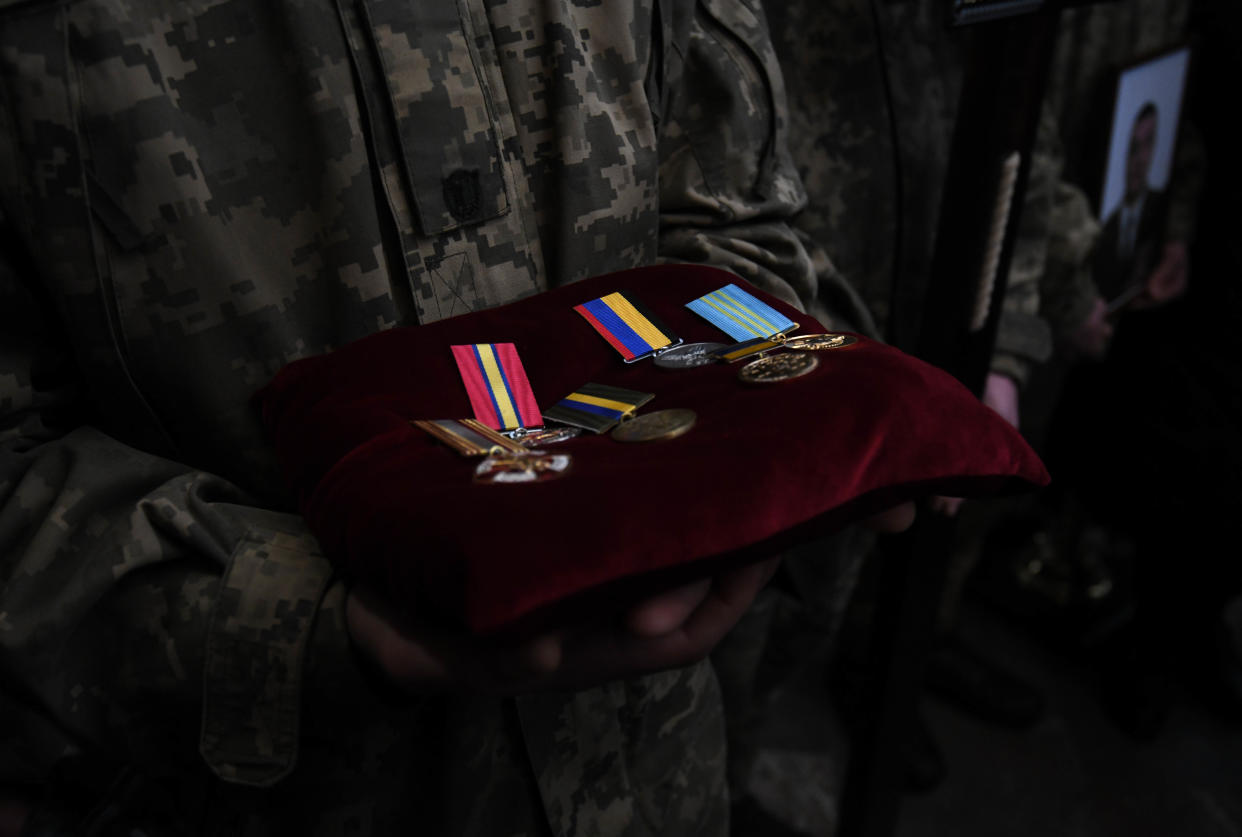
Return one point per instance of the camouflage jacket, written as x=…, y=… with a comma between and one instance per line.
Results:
x=1094, y=43
x=195, y=194
x=873, y=89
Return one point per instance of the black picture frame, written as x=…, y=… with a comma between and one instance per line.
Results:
x=1148, y=100
x=966, y=12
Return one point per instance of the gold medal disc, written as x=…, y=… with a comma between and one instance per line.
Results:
x=654, y=427
x=774, y=368
x=820, y=342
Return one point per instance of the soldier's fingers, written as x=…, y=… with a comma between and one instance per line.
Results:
x=605, y=655
x=376, y=630
x=424, y=660
x=892, y=521
x=948, y=506
x=731, y=594
x=667, y=611
x=539, y=656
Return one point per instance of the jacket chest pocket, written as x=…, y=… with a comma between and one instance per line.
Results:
x=444, y=114
x=212, y=214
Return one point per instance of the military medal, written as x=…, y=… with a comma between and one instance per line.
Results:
x=526, y=466
x=780, y=367
x=505, y=461
x=755, y=325
x=627, y=326
x=820, y=342
x=654, y=427
x=468, y=436
x=548, y=436
x=500, y=394
x=688, y=355
x=596, y=407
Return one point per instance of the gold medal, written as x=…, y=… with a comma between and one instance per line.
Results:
x=774, y=368
x=654, y=427
x=820, y=342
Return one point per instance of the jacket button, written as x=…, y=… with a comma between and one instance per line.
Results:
x=461, y=194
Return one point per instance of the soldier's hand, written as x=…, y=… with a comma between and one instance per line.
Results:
x=1092, y=336
x=1168, y=280
x=891, y=521
x=1000, y=392
x=667, y=630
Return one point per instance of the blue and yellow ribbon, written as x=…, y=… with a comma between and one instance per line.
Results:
x=597, y=407
x=745, y=349
x=627, y=326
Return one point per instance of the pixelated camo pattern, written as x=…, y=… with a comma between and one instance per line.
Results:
x=852, y=138
x=194, y=194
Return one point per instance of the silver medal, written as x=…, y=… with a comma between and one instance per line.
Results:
x=688, y=355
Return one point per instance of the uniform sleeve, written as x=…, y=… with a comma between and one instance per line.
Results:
x=1023, y=338
x=1067, y=289
x=728, y=186
x=148, y=611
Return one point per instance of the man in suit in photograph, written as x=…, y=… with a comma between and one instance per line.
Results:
x=1129, y=244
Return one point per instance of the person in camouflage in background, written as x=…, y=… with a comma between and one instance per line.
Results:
x=873, y=90
x=874, y=171
x=1147, y=401
x=863, y=77
x=846, y=59
x=1093, y=44
x=195, y=195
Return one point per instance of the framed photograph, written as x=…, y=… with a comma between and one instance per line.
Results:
x=1147, y=110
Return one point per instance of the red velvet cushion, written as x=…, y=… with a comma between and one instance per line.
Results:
x=870, y=427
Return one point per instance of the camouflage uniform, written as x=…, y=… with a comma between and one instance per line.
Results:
x=1060, y=232
x=1093, y=44
x=873, y=91
x=195, y=194
x=864, y=76
x=834, y=59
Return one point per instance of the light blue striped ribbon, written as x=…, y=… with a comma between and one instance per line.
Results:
x=740, y=315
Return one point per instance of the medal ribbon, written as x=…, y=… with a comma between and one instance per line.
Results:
x=597, y=407
x=467, y=436
x=496, y=382
x=627, y=327
x=741, y=315
x=740, y=350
